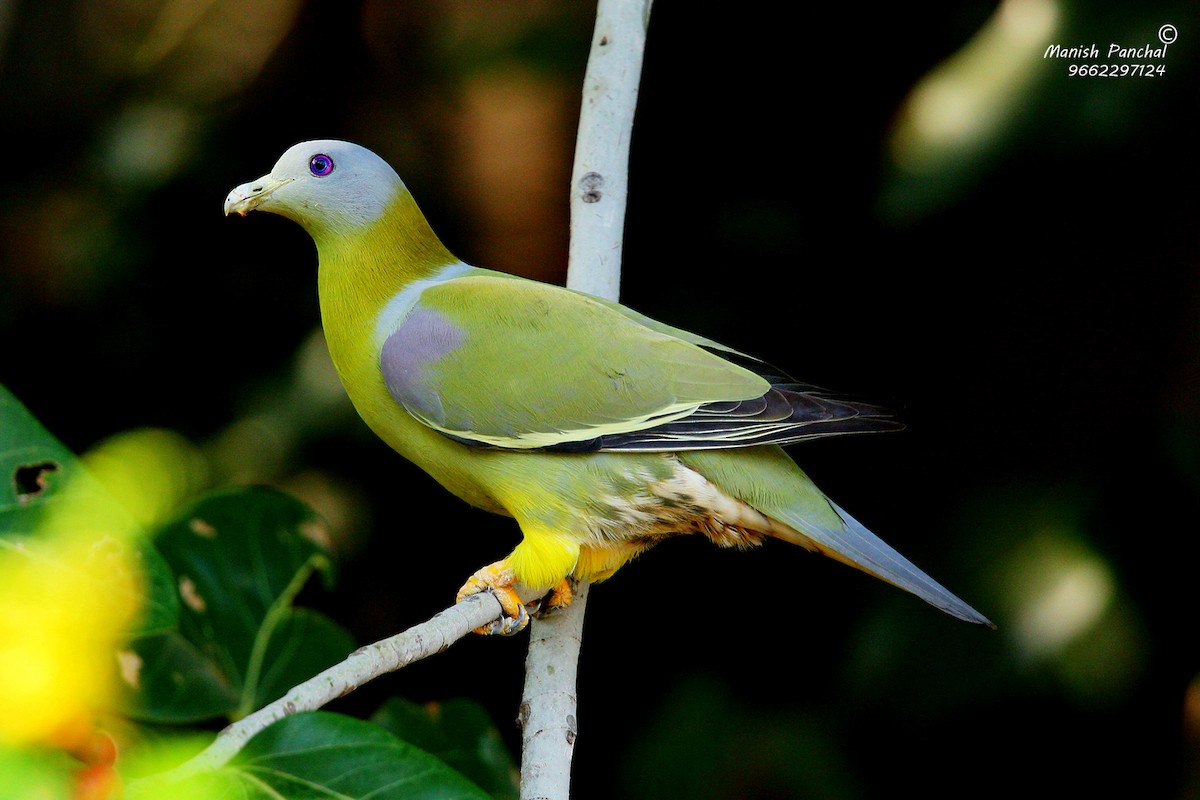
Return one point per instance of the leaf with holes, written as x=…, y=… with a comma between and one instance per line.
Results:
x=35, y=466
x=37, y=469
x=240, y=557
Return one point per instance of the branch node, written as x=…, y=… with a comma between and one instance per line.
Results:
x=590, y=185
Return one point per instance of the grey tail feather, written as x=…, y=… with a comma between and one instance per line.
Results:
x=856, y=546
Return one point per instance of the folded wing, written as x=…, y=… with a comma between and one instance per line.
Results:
x=498, y=362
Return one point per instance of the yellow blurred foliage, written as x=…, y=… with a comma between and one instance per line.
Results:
x=64, y=603
x=148, y=473
x=71, y=590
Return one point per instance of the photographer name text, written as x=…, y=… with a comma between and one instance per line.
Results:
x=1090, y=51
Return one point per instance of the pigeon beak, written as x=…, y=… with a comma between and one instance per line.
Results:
x=250, y=196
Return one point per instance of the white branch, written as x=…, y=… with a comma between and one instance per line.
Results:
x=547, y=714
x=600, y=178
x=599, y=186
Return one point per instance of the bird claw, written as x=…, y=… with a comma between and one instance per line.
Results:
x=509, y=624
x=498, y=579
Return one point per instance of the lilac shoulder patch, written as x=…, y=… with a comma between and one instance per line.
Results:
x=424, y=337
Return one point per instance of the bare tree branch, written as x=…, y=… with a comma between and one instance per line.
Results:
x=547, y=714
x=600, y=177
x=599, y=186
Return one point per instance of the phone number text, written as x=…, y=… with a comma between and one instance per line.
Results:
x=1116, y=70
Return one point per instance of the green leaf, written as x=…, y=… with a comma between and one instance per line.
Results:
x=240, y=556
x=321, y=754
x=318, y=754
x=305, y=643
x=160, y=608
x=169, y=680
x=460, y=733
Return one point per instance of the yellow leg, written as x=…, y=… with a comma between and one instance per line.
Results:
x=558, y=597
x=540, y=562
x=497, y=578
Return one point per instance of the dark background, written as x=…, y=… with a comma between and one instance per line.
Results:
x=1024, y=292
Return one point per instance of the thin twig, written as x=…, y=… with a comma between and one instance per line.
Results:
x=363, y=665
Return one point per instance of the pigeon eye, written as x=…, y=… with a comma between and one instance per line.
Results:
x=320, y=165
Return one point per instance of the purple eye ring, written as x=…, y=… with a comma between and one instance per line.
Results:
x=320, y=165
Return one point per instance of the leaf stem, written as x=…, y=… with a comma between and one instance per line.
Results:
x=275, y=615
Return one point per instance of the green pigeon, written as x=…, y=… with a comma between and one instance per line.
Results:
x=599, y=430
